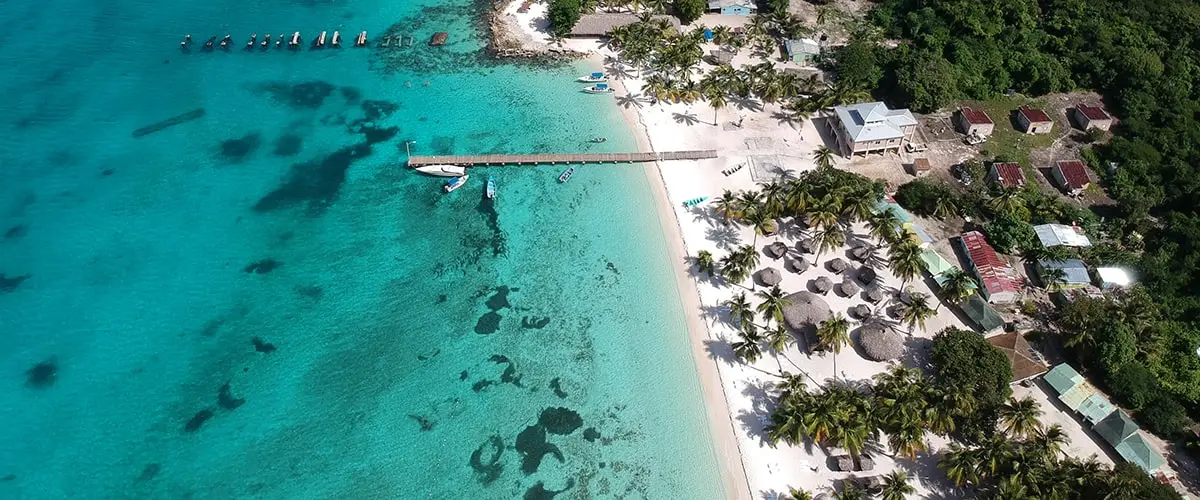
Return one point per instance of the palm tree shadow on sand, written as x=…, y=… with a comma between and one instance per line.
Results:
x=746, y=104
x=756, y=419
x=723, y=237
x=686, y=118
x=632, y=100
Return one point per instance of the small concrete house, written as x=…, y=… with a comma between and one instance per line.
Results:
x=974, y=122
x=1008, y=175
x=1071, y=175
x=921, y=167
x=870, y=128
x=1034, y=121
x=732, y=7
x=803, y=51
x=1091, y=117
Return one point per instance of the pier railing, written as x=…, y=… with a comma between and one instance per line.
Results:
x=472, y=160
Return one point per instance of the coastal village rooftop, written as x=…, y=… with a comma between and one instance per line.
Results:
x=598, y=25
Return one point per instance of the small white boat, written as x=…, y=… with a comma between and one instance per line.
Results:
x=442, y=170
x=597, y=140
x=455, y=183
x=594, y=78
x=491, y=187
x=599, y=88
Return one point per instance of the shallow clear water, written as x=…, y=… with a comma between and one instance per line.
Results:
x=417, y=336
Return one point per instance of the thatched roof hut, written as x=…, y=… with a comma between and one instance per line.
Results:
x=861, y=311
x=805, y=245
x=776, y=250
x=822, y=284
x=866, y=275
x=860, y=253
x=879, y=343
x=805, y=311
x=837, y=265
x=799, y=265
x=848, y=287
x=598, y=25
x=769, y=276
x=874, y=295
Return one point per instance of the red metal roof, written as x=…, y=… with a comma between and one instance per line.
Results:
x=1074, y=172
x=996, y=274
x=1034, y=115
x=1093, y=112
x=976, y=116
x=1010, y=174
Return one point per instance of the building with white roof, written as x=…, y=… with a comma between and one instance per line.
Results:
x=871, y=128
x=1052, y=235
x=1113, y=277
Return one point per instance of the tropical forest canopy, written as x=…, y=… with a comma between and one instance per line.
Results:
x=1142, y=57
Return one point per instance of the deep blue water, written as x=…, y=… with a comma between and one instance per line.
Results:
x=264, y=303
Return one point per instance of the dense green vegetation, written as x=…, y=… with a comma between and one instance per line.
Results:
x=689, y=10
x=1144, y=58
x=563, y=14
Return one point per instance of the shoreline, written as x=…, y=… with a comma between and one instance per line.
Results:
x=716, y=403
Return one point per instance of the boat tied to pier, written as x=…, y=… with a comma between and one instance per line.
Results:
x=455, y=183
x=599, y=88
x=597, y=77
x=442, y=170
x=566, y=175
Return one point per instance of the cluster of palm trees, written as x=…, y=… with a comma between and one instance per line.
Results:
x=674, y=58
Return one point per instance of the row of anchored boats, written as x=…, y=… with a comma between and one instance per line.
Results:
x=293, y=42
x=458, y=177
x=599, y=81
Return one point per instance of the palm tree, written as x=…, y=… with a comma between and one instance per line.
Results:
x=1050, y=440
x=758, y=219
x=960, y=464
x=859, y=206
x=732, y=268
x=908, y=439
x=957, y=286
x=773, y=304
x=774, y=194
x=944, y=206
x=705, y=263
x=1008, y=202
x=716, y=99
x=747, y=257
x=747, y=349
x=749, y=200
x=824, y=157
x=828, y=238
x=727, y=206
x=850, y=492
x=896, y=487
x=1019, y=418
x=904, y=259
x=917, y=311
x=883, y=225
x=740, y=311
x=799, y=494
x=834, y=333
x=1053, y=278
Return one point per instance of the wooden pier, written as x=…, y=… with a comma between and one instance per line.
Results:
x=472, y=160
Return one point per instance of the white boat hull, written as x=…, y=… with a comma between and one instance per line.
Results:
x=594, y=90
x=442, y=170
x=588, y=79
x=461, y=181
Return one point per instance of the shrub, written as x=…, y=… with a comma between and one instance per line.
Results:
x=1007, y=234
x=1164, y=416
x=1134, y=385
x=689, y=10
x=921, y=195
x=563, y=15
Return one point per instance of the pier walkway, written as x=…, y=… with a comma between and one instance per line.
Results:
x=472, y=160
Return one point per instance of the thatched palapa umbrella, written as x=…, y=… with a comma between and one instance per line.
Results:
x=848, y=287
x=769, y=276
x=805, y=311
x=860, y=253
x=874, y=295
x=837, y=265
x=844, y=463
x=880, y=344
x=822, y=284
x=775, y=250
x=866, y=464
x=804, y=246
x=861, y=311
x=866, y=275
x=799, y=265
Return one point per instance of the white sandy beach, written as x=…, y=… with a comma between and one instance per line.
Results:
x=739, y=396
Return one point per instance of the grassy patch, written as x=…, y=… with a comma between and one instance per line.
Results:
x=1007, y=142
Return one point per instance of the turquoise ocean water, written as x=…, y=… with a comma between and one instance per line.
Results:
x=262, y=303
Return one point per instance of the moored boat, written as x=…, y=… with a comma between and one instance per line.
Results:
x=455, y=183
x=491, y=187
x=442, y=170
x=594, y=78
x=566, y=175
x=599, y=88
x=597, y=140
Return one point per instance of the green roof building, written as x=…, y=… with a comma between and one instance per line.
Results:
x=1135, y=449
x=1116, y=427
x=1063, y=378
x=1096, y=408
